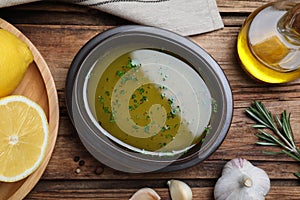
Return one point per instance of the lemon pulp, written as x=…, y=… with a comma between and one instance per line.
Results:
x=23, y=137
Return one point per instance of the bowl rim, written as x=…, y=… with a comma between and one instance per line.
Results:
x=227, y=93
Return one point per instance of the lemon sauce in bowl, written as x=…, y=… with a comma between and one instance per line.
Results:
x=152, y=101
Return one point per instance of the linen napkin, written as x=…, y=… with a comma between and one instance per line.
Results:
x=186, y=17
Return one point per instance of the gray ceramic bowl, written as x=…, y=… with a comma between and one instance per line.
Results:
x=85, y=72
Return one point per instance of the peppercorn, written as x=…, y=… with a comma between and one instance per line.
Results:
x=81, y=162
x=76, y=158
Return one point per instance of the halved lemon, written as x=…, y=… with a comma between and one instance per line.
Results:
x=23, y=137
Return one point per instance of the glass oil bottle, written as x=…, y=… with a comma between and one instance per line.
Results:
x=269, y=42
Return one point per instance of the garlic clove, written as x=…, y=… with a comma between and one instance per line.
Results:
x=179, y=190
x=145, y=194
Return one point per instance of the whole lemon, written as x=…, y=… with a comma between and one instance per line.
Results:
x=15, y=57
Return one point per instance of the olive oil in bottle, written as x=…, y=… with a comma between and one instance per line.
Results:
x=269, y=43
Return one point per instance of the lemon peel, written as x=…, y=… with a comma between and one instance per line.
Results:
x=15, y=58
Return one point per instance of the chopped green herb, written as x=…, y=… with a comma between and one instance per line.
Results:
x=125, y=78
x=171, y=100
x=133, y=78
x=112, y=118
x=141, y=90
x=173, y=111
x=119, y=73
x=146, y=129
x=163, y=87
x=135, y=127
x=130, y=108
x=106, y=109
x=101, y=99
x=133, y=96
x=168, y=136
x=165, y=128
x=107, y=93
x=207, y=129
x=170, y=115
x=143, y=99
x=129, y=64
x=162, y=144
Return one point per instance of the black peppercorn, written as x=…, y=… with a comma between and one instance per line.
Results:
x=76, y=158
x=81, y=162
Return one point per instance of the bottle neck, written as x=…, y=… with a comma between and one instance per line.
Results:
x=289, y=24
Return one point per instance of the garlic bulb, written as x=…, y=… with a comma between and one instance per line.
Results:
x=179, y=190
x=145, y=194
x=241, y=180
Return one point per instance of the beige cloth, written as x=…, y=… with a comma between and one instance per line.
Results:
x=186, y=17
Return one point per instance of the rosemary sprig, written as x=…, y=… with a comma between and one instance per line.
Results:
x=282, y=134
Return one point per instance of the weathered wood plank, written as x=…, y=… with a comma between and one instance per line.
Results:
x=48, y=192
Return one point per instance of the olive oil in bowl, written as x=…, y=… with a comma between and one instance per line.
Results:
x=152, y=102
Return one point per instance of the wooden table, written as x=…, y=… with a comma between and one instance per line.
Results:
x=59, y=30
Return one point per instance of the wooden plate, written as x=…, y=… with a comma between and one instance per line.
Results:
x=38, y=85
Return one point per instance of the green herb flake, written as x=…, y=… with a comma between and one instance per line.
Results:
x=207, y=129
x=173, y=111
x=163, y=87
x=146, y=129
x=135, y=127
x=122, y=92
x=171, y=100
x=143, y=99
x=141, y=90
x=107, y=93
x=165, y=128
x=119, y=73
x=162, y=144
x=106, y=109
x=168, y=136
x=130, y=108
x=101, y=99
x=112, y=118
